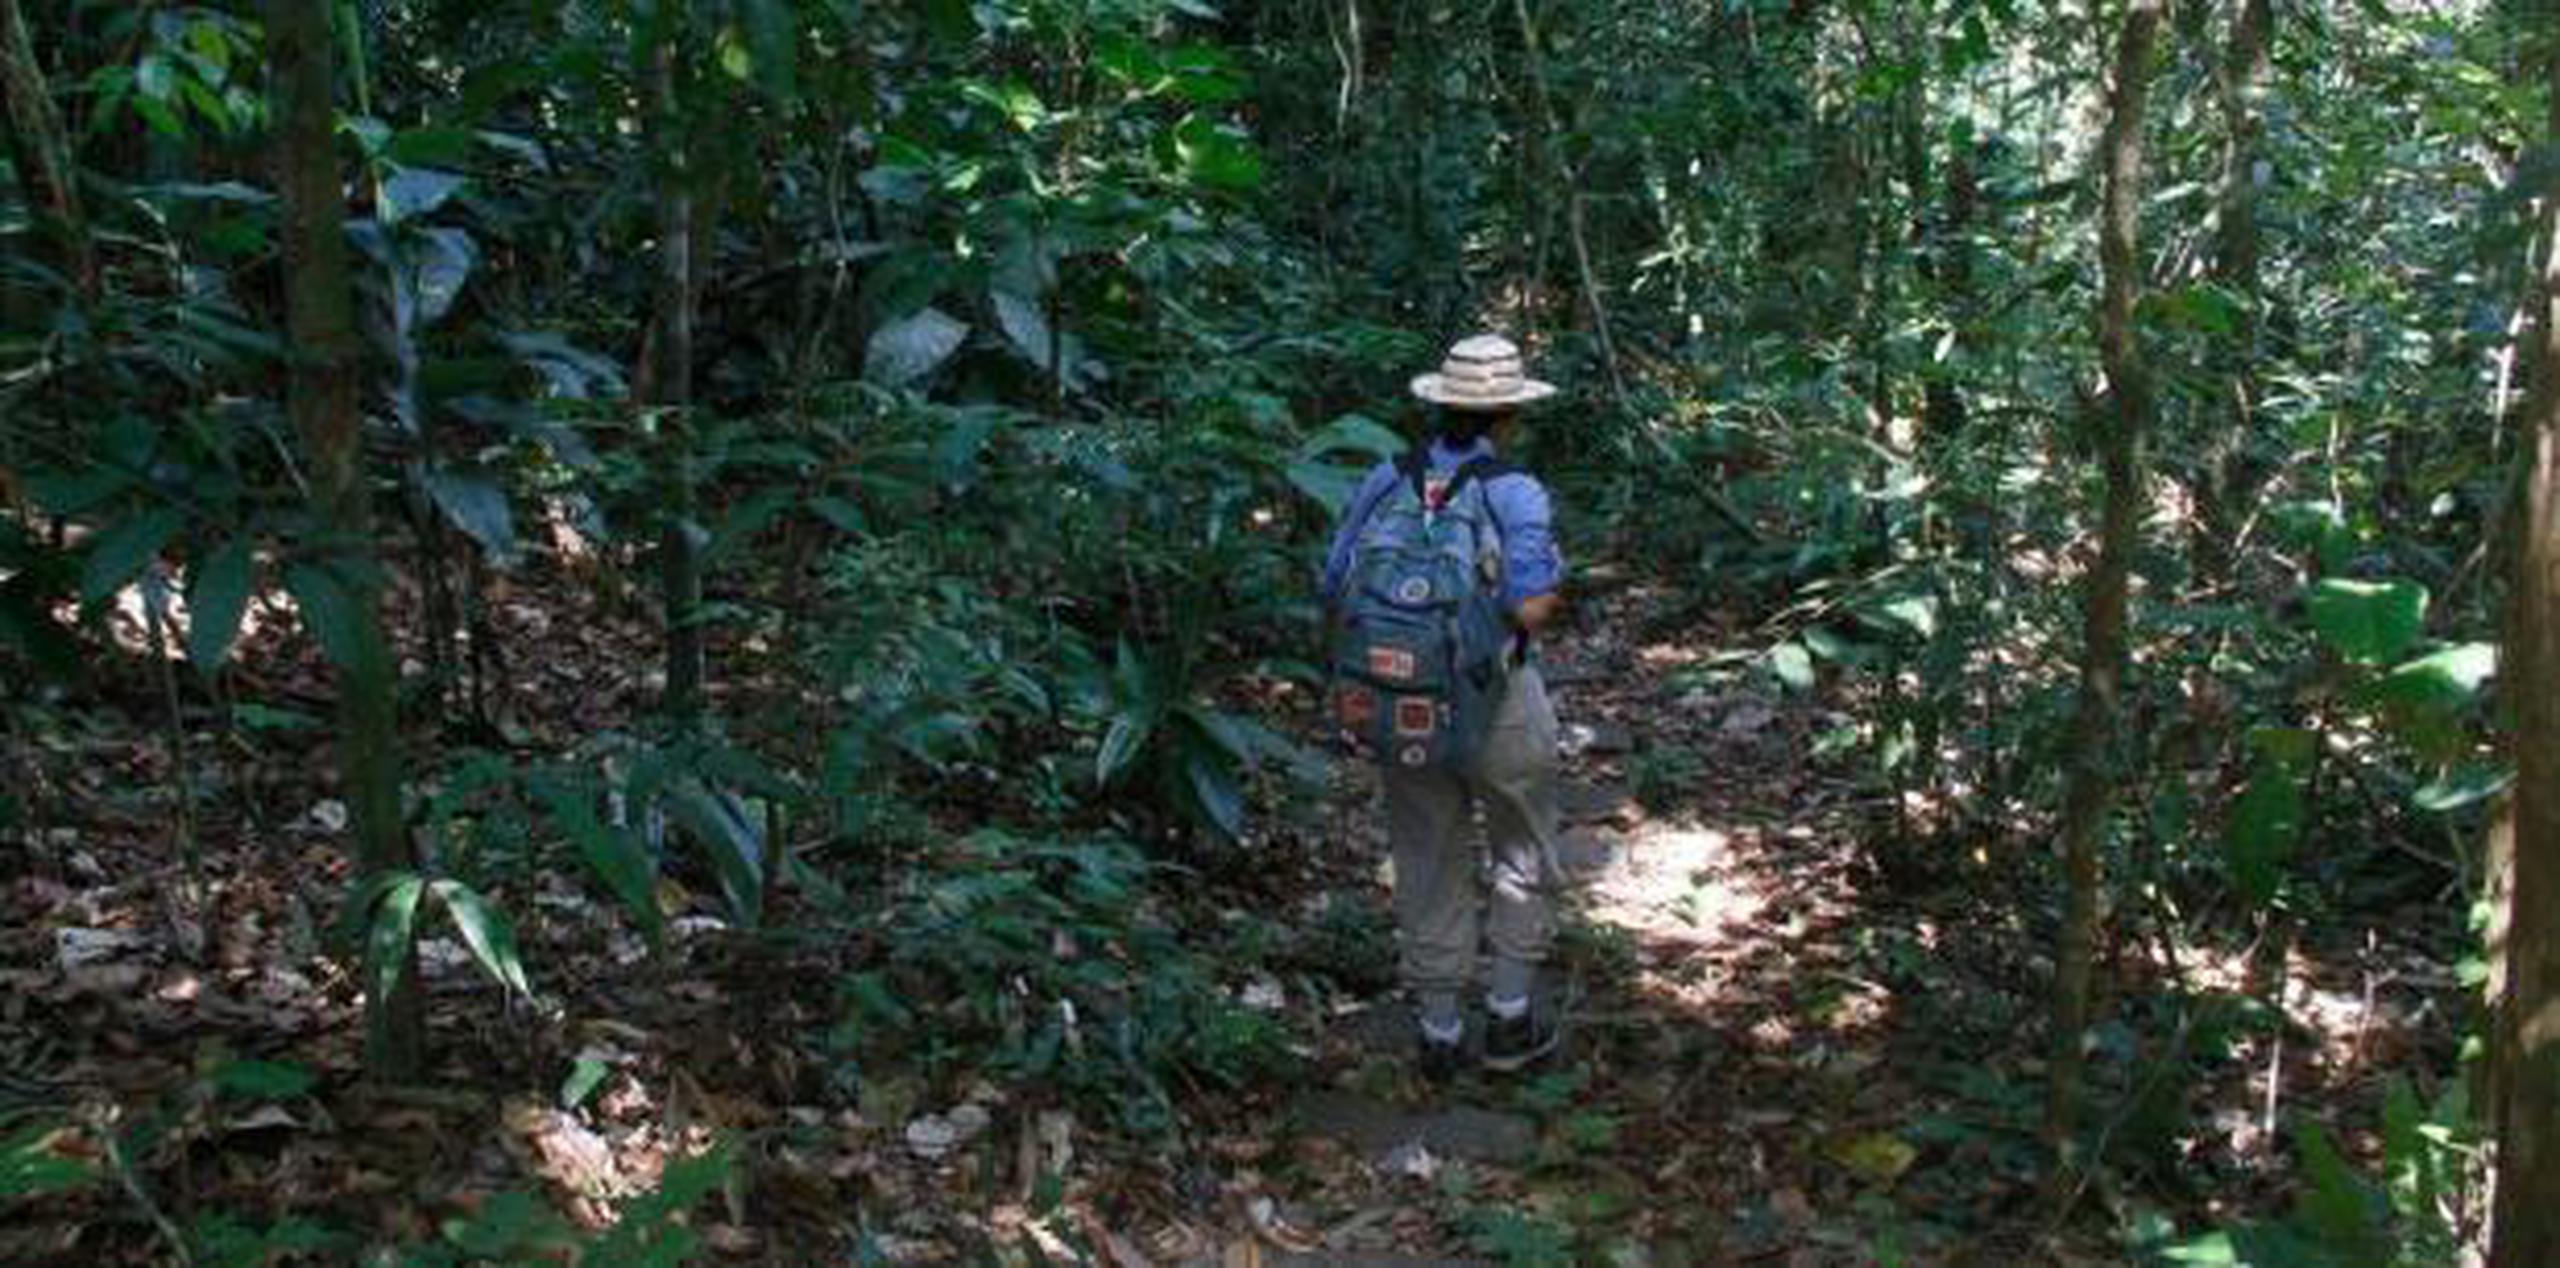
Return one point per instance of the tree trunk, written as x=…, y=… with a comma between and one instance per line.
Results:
x=671, y=390
x=42, y=151
x=2090, y=783
x=2230, y=474
x=1569, y=188
x=2526, y=1228
x=1950, y=269
x=320, y=320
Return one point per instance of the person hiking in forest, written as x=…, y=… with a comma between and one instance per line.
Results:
x=1442, y=570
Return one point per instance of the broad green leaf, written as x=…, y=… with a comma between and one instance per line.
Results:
x=217, y=597
x=329, y=610
x=124, y=549
x=717, y=821
x=2199, y=306
x=2336, y=1204
x=610, y=851
x=912, y=347
x=2265, y=825
x=569, y=371
x=1357, y=433
x=42, y=1159
x=1316, y=470
x=2213, y=1250
x=435, y=265
x=1917, y=613
x=513, y=1227
x=411, y=192
x=1214, y=789
x=1879, y=1158
x=486, y=931
x=1826, y=645
x=2461, y=785
x=1793, y=665
x=472, y=500
x=647, y=1230
x=1329, y=485
x=2288, y=746
x=2368, y=622
x=773, y=44
x=156, y=77
x=1213, y=156
x=1121, y=742
x=2320, y=525
x=2445, y=679
x=1027, y=331
x=261, y=1080
x=392, y=935
x=585, y=1076
x=1020, y=106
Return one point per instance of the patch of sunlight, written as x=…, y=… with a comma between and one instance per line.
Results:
x=1668, y=656
x=1672, y=884
x=129, y=620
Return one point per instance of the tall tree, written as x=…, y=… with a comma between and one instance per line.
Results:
x=42, y=150
x=2230, y=471
x=2526, y=1232
x=670, y=372
x=338, y=586
x=2123, y=418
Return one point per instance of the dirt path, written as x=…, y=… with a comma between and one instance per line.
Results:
x=1729, y=1089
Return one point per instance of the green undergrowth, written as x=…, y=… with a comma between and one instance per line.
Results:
x=1066, y=968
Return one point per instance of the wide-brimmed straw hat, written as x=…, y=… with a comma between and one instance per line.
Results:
x=1481, y=372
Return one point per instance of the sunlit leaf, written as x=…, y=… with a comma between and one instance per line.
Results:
x=2444, y=679
x=586, y=1074
x=393, y=932
x=410, y=192
x=1215, y=157
x=1793, y=664
x=2460, y=786
x=487, y=932
x=912, y=347
x=2368, y=622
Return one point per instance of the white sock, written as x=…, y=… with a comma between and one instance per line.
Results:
x=1507, y=1007
x=1448, y=1031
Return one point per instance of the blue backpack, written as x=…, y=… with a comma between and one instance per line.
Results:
x=1421, y=650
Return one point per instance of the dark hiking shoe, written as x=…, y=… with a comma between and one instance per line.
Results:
x=1439, y=1061
x=1513, y=1042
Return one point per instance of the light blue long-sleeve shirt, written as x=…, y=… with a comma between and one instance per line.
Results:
x=1531, y=563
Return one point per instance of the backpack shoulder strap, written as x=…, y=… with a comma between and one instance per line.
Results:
x=1482, y=472
x=1414, y=465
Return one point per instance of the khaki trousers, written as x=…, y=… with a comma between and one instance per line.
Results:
x=1440, y=896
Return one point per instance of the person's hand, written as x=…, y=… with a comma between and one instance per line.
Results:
x=1537, y=611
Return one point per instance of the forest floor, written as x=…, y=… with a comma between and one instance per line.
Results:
x=1778, y=1050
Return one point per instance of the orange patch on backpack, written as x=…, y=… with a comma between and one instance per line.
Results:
x=1416, y=716
x=1394, y=664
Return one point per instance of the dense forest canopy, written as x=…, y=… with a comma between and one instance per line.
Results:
x=648, y=631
